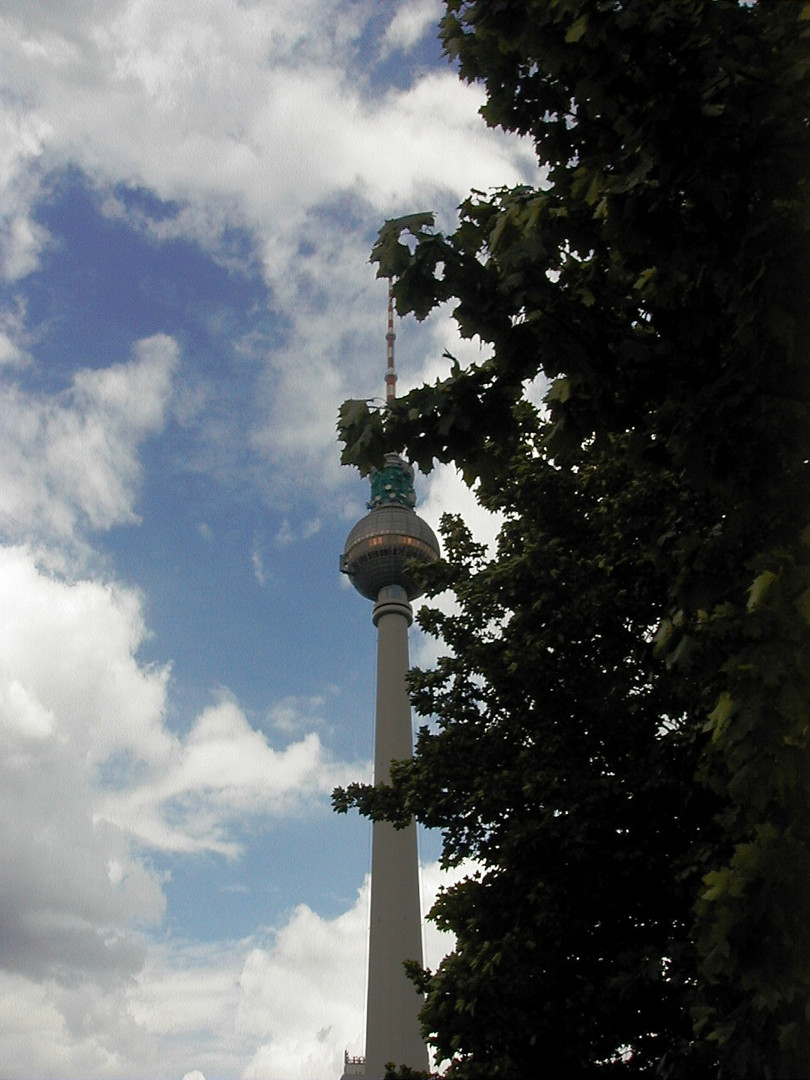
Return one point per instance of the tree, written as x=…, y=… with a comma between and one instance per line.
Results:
x=622, y=719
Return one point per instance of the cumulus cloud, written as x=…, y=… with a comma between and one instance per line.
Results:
x=304, y=996
x=224, y=771
x=49, y=1030
x=70, y=461
x=410, y=23
x=90, y=778
x=22, y=138
x=76, y=705
x=13, y=337
x=68, y=669
x=71, y=695
x=299, y=999
x=293, y=714
x=251, y=115
x=256, y=117
x=229, y=100
x=282, y=1005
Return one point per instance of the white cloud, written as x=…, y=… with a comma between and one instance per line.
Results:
x=69, y=462
x=283, y=1006
x=251, y=102
x=91, y=1001
x=71, y=695
x=222, y=772
x=22, y=138
x=304, y=997
x=257, y=562
x=13, y=337
x=68, y=667
x=87, y=764
x=42, y=1036
x=410, y=23
x=444, y=492
x=294, y=714
x=254, y=115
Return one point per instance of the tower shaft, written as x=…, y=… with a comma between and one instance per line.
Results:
x=379, y=556
x=392, y=1025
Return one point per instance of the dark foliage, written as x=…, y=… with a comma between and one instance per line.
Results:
x=623, y=714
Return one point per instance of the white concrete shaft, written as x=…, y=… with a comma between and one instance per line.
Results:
x=392, y=1025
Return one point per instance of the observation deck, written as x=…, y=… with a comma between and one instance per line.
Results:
x=383, y=547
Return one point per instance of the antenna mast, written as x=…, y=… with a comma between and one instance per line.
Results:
x=390, y=371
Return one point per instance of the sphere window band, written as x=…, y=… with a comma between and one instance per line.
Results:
x=375, y=561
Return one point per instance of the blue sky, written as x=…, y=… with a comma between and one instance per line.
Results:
x=188, y=196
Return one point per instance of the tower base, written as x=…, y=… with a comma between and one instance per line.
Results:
x=353, y=1067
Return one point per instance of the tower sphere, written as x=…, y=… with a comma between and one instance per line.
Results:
x=381, y=545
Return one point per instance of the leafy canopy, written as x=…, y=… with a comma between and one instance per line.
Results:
x=621, y=719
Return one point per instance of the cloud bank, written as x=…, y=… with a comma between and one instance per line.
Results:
x=274, y=136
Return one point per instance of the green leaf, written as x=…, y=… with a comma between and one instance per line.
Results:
x=720, y=715
x=644, y=278
x=759, y=589
x=577, y=30
x=560, y=390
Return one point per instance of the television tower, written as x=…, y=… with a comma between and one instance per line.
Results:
x=378, y=555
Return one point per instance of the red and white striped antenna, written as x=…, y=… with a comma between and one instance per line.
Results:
x=390, y=371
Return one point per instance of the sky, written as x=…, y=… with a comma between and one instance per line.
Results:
x=189, y=192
